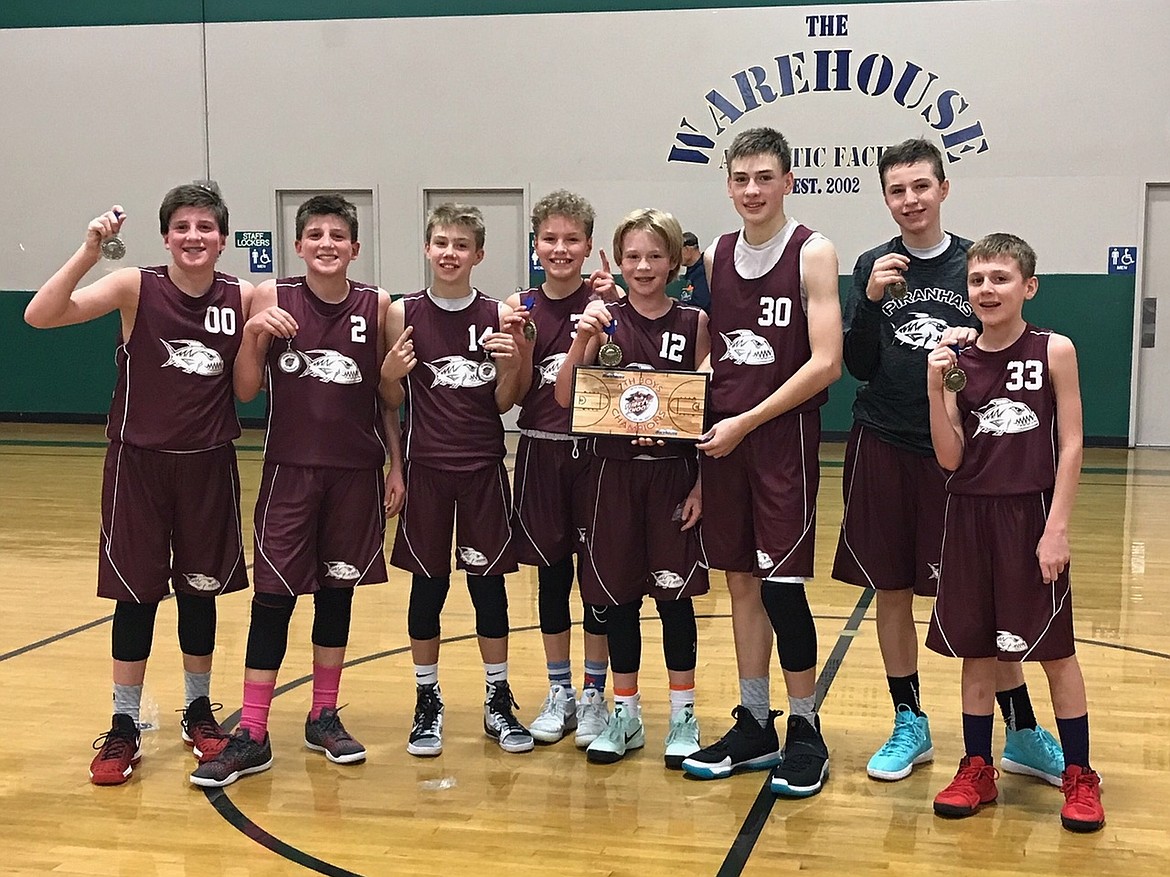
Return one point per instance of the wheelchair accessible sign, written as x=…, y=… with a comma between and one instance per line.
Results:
x=1122, y=260
x=259, y=247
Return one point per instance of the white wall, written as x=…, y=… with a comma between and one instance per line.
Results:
x=1072, y=96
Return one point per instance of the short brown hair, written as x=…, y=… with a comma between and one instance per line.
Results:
x=660, y=223
x=471, y=218
x=1000, y=244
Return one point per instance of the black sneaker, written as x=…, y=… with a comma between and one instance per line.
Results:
x=747, y=746
x=327, y=734
x=804, y=766
x=500, y=722
x=426, y=733
x=201, y=731
x=240, y=757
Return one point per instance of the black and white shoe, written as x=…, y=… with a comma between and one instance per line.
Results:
x=747, y=746
x=500, y=722
x=804, y=764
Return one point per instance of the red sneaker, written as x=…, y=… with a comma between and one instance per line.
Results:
x=1082, y=810
x=201, y=731
x=118, y=752
x=972, y=787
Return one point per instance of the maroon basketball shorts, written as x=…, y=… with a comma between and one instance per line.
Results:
x=759, y=502
x=548, y=499
x=992, y=600
x=633, y=542
x=317, y=528
x=170, y=519
x=891, y=532
x=476, y=504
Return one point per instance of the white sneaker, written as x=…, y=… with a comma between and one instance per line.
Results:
x=557, y=717
x=623, y=734
x=592, y=717
x=682, y=741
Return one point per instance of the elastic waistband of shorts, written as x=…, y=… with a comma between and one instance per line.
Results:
x=549, y=436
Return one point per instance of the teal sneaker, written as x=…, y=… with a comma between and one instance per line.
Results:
x=623, y=733
x=909, y=744
x=1035, y=753
x=682, y=741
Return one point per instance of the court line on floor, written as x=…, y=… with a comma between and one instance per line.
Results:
x=757, y=818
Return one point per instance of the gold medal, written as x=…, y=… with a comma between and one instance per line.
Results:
x=897, y=289
x=609, y=355
x=114, y=248
x=529, y=331
x=954, y=379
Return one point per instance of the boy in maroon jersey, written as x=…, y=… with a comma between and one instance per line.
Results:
x=642, y=498
x=454, y=363
x=775, y=349
x=316, y=343
x=170, y=490
x=551, y=465
x=1009, y=432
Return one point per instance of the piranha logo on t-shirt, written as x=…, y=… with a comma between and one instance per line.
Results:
x=459, y=372
x=922, y=331
x=1006, y=417
x=549, y=367
x=330, y=367
x=745, y=347
x=193, y=357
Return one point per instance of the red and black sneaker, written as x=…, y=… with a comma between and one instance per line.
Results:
x=118, y=751
x=972, y=787
x=201, y=731
x=1082, y=810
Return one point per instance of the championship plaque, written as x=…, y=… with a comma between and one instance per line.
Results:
x=639, y=403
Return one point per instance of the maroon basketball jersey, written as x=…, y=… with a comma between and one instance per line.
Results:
x=666, y=343
x=452, y=420
x=1009, y=419
x=555, y=319
x=759, y=328
x=174, y=388
x=323, y=407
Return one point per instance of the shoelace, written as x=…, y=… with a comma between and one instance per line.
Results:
x=330, y=722
x=1079, y=789
x=426, y=713
x=502, y=703
x=114, y=745
x=678, y=731
x=207, y=726
x=903, y=740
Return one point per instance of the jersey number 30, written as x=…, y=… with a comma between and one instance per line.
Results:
x=775, y=311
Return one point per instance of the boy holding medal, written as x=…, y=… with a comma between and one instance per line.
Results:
x=454, y=469
x=643, y=498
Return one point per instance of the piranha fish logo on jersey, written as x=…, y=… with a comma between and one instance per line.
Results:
x=745, y=347
x=200, y=582
x=193, y=357
x=1006, y=417
x=330, y=367
x=764, y=560
x=471, y=557
x=548, y=368
x=459, y=372
x=923, y=331
x=1006, y=641
x=339, y=569
x=664, y=578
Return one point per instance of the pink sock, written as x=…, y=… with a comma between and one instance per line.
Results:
x=257, y=702
x=326, y=683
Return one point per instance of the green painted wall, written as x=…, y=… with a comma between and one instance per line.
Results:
x=80, y=13
x=69, y=373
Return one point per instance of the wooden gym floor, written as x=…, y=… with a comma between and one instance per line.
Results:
x=476, y=809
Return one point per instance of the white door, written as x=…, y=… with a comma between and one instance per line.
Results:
x=365, y=268
x=1153, y=412
x=505, y=260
